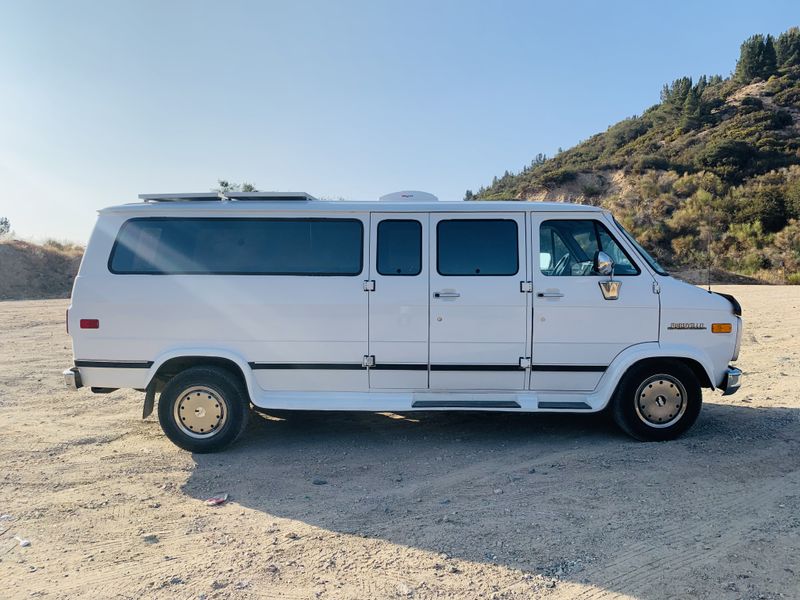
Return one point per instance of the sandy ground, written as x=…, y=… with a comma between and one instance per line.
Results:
x=425, y=505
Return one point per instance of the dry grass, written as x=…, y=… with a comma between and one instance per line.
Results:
x=32, y=271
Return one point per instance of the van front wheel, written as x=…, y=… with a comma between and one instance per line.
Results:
x=203, y=409
x=657, y=401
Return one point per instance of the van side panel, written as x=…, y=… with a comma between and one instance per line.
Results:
x=298, y=332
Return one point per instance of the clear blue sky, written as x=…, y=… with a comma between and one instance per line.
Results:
x=100, y=101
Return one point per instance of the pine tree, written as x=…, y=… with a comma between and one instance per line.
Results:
x=691, y=112
x=756, y=59
x=787, y=48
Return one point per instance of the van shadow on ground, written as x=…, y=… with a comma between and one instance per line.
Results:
x=561, y=495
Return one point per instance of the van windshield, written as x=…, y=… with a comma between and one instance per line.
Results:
x=645, y=254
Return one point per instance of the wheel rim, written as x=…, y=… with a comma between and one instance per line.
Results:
x=660, y=401
x=200, y=412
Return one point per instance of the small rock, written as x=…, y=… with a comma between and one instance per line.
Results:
x=150, y=538
x=22, y=543
x=498, y=491
x=404, y=590
x=551, y=584
x=532, y=470
x=445, y=501
x=175, y=581
x=318, y=481
x=292, y=536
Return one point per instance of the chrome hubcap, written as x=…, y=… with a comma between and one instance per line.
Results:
x=200, y=412
x=660, y=401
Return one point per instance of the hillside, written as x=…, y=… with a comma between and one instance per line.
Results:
x=716, y=161
x=31, y=271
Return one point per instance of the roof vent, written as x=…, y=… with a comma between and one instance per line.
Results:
x=409, y=196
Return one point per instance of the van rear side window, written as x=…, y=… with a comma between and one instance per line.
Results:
x=232, y=246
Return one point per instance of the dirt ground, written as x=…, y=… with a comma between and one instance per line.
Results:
x=422, y=505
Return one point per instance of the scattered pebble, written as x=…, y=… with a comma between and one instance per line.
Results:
x=318, y=481
x=150, y=538
x=498, y=491
x=23, y=543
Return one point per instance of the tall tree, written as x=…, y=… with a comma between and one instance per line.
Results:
x=757, y=58
x=5, y=226
x=787, y=48
x=225, y=186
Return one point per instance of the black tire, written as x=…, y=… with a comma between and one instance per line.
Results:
x=657, y=400
x=216, y=403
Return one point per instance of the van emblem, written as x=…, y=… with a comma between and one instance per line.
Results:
x=687, y=326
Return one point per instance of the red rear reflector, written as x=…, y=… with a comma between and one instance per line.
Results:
x=90, y=323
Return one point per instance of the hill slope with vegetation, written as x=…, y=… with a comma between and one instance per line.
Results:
x=715, y=163
x=33, y=271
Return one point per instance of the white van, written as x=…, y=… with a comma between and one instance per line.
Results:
x=282, y=301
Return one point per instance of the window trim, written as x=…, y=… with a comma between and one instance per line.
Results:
x=378, y=247
x=597, y=224
x=516, y=245
x=241, y=273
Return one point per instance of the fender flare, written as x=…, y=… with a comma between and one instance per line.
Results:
x=601, y=396
x=203, y=352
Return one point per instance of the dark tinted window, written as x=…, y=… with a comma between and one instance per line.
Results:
x=567, y=248
x=477, y=247
x=399, y=247
x=239, y=246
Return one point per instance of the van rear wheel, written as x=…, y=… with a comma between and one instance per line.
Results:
x=203, y=409
x=657, y=401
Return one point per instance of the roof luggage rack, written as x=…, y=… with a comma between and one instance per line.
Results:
x=225, y=196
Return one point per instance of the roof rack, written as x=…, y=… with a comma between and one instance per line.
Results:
x=225, y=196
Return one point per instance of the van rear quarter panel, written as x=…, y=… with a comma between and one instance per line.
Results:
x=270, y=319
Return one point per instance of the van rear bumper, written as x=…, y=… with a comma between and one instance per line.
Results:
x=732, y=381
x=72, y=378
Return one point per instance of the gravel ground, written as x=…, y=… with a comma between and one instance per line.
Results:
x=420, y=505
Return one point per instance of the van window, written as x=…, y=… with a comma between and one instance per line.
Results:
x=399, y=247
x=166, y=245
x=477, y=247
x=567, y=248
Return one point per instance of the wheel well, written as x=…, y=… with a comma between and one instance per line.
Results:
x=173, y=366
x=696, y=367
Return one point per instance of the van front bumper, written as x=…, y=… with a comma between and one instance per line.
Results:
x=732, y=381
x=72, y=378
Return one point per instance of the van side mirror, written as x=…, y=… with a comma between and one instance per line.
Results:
x=603, y=263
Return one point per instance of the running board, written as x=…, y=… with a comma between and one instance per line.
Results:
x=465, y=404
x=565, y=405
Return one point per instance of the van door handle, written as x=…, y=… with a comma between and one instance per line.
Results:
x=550, y=295
x=446, y=295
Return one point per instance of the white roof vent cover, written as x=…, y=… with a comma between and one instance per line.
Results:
x=409, y=196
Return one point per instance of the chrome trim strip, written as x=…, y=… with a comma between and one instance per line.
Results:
x=465, y=404
x=569, y=368
x=568, y=405
x=115, y=364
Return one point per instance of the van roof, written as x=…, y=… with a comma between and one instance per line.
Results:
x=295, y=202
